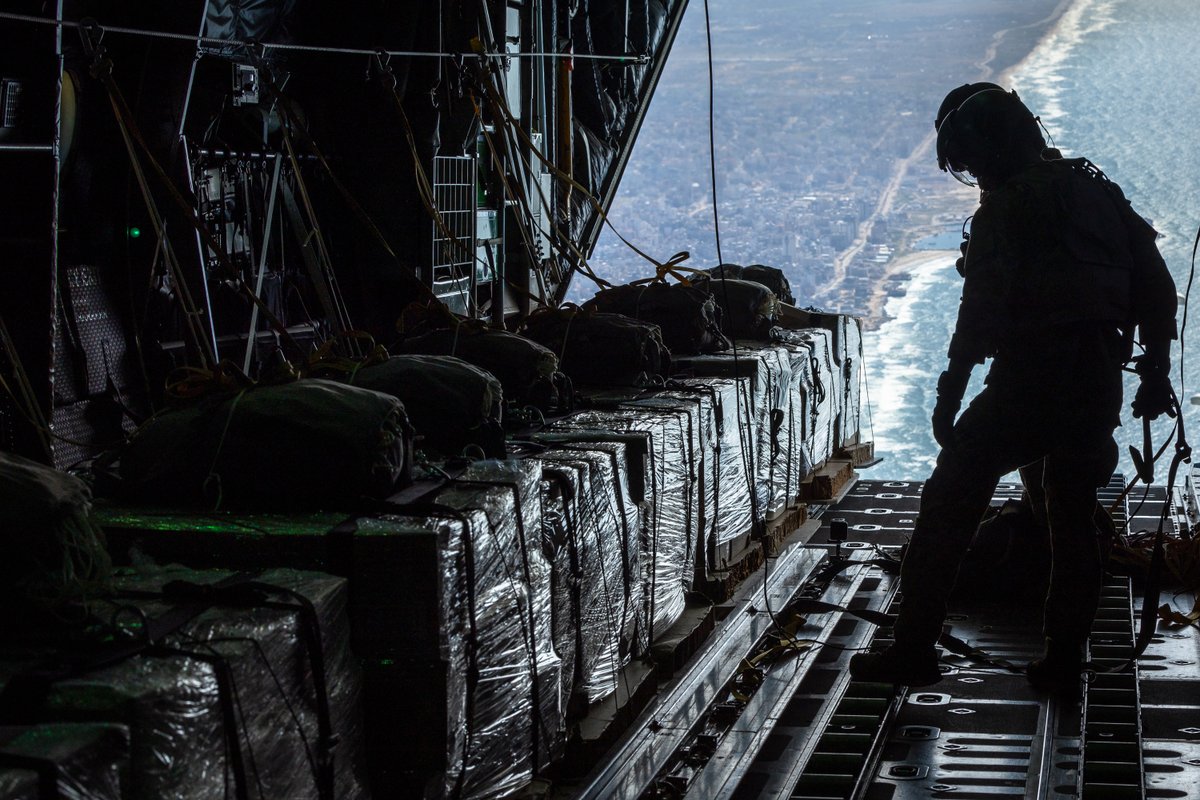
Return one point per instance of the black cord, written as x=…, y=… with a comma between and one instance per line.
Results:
x=748, y=458
x=712, y=148
x=1187, y=294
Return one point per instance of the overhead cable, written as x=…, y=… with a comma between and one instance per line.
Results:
x=308, y=48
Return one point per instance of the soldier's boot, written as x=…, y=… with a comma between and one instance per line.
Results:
x=1059, y=670
x=898, y=665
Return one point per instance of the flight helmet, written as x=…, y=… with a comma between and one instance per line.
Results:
x=983, y=130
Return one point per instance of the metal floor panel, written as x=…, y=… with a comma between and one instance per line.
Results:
x=666, y=724
x=982, y=732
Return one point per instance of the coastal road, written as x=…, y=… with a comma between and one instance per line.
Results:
x=887, y=197
x=844, y=259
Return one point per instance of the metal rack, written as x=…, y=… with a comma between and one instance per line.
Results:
x=453, y=252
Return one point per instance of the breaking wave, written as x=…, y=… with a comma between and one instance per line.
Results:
x=1113, y=80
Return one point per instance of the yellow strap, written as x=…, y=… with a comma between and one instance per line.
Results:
x=1170, y=615
x=330, y=356
x=187, y=383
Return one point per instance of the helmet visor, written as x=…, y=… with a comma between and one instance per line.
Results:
x=945, y=137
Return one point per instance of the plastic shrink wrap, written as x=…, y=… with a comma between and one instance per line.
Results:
x=666, y=550
x=697, y=408
x=853, y=376
x=791, y=452
x=728, y=465
x=230, y=703
x=760, y=396
x=481, y=676
x=774, y=383
x=557, y=536
x=628, y=454
x=410, y=579
x=592, y=594
x=80, y=761
x=824, y=400
x=846, y=357
x=794, y=429
x=509, y=492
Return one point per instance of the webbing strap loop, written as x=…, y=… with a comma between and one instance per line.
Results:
x=949, y=641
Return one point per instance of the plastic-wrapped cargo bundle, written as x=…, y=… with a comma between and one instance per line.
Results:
x=730, y=468
x=695, y=412
x=793, y=456
x=794, y=431
x=489, y=692
x=845, y=350
x=853, y=377
x=473, y=697
x=628, y=454
x=762, y=396
x=591, y=564
x=79, y=760
x=666, y=553
x=509, y=492
x=700, y=404
x=410, y=579
x=825, y=398
x=564, y=585
x=774, y=373
x=248, y=694
x=846, y=354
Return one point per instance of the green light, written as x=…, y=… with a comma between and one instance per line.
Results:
x=134, y=232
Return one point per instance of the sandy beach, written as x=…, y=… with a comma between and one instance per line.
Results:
x=902, y=265
x=954, y=197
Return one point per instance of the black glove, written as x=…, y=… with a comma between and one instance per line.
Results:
x=950, y=388
x=960, y=263
x=1154, y=393
x=944, y=414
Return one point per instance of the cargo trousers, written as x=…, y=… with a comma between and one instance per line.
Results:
x=1057, y=429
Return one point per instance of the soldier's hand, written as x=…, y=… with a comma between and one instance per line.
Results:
x=1154, y=394
x=944, y=412
x=950, y=388
x=1154, y=397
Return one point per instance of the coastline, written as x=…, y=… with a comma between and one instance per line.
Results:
x=898, y=270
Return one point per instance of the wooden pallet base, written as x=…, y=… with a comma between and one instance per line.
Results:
x=746, y=554
x=608, y=719
x=677, y=646
x=827, y=481
x=592, y=736
x=858, y=453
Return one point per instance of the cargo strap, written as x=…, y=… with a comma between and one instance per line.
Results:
x=891, y=566
x=1149, y=614
x=253, y=594
x=24, y=694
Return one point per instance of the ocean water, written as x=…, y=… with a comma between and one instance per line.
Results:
x=1114, y=81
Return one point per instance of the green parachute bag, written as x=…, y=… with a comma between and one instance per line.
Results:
x=303, y=445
